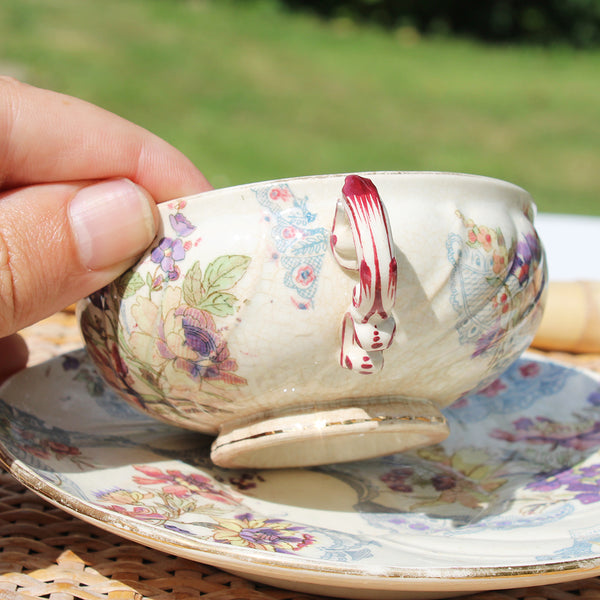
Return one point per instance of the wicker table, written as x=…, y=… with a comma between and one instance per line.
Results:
x=46, y=553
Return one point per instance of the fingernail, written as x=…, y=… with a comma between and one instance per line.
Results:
x=112, y=222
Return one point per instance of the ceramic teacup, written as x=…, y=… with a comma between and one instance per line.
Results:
x=322, y=319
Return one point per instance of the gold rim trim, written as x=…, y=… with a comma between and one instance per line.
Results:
x=432, y=420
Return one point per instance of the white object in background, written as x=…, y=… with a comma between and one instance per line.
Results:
x=571, y=244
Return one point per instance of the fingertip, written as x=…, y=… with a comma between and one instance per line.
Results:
x=112, y=221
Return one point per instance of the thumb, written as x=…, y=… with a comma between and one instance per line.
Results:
x=60, y=242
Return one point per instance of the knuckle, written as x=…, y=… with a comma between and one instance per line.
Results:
x=8, y=81
x=11, y=90
x=10, y=94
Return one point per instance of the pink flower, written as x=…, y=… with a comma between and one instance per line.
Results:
x=290, y=232
x=62, y=449
x=493, y=389
x=581, y=436
x=280, y=194
x=156, y=474
x=499, y=263
x=176, y=490
x=138, y=512
x=304, y=275
x=36, y=451
x=530, y=369
x=484, y=238
x=179, y=484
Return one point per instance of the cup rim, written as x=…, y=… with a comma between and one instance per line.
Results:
x=495, y=181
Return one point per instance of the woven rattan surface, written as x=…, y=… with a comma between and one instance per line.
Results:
x=47, y=553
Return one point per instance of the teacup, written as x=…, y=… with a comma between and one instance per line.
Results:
x=322, y=319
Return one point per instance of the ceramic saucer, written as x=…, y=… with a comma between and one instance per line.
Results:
x=511, y=498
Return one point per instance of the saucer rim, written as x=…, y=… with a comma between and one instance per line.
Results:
x=314, y=571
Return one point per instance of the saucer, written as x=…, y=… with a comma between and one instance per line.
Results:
x=511, y=498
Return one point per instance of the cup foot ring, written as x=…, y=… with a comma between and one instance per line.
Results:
x=343, y=432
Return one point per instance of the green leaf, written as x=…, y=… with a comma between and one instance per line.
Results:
x=224, y=272
x=193, y=289
x=129, y=283
x=220, y=304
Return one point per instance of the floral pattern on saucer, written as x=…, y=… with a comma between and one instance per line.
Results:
x=163, y=497
x=525, y=468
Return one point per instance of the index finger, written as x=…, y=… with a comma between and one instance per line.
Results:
x=50, y=137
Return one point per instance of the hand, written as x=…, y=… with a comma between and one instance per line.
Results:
x=78, y=187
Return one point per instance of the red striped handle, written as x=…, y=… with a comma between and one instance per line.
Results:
x=368, y=326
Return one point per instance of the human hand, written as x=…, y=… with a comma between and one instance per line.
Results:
x=78, y=187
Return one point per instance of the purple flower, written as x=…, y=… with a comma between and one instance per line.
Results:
x=584, y=481
x=545, y=484
x=266, y=535
x=396, y=479
x=181, y=225
x=166, y=253
x=443, y=482
x=488, y=340
x=580, y=436
x=524, y=423
x=527, y=252
x=594, y=398
x=157, y=282
x=177, y=529
x=70, y=363
x=273, y=535
x=200, y=334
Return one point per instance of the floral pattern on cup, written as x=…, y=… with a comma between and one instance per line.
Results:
x=496, y=285
x=176, y=354
x=298, y=245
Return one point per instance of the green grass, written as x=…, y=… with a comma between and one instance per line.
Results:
x=251, y=92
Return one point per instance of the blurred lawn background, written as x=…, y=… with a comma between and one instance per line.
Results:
x=250, y=91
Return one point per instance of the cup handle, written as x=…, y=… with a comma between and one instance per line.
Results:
x=368, y=326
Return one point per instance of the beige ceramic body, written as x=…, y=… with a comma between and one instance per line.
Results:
x=231, y=322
